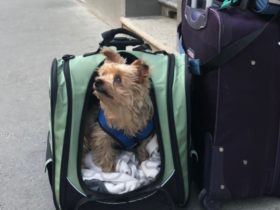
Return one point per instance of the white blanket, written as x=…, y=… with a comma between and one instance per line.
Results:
x=129, y=174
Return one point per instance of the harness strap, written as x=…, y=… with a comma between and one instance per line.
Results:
x=126, y=141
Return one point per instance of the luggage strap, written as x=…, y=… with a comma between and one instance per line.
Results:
x=228, y=53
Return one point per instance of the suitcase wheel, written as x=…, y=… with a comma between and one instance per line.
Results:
x=207, y=203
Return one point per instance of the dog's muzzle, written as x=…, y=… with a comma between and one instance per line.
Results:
x=99, y=87
x=98, y=83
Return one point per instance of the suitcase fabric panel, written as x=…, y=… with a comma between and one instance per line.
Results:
x=248, y=115
x=239, y=104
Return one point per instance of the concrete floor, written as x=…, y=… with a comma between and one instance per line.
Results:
x=32, y=33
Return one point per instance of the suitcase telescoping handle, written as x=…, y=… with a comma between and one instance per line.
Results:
x=196, y=13
x=120, y=43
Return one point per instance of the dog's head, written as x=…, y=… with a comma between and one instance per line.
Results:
x=119, y=83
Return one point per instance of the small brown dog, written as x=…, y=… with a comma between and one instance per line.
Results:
x=123, y=91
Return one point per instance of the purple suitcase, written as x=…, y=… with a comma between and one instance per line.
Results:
x=236, y=108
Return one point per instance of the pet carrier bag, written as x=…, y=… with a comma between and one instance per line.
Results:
x=71, y=83
x=235, y=101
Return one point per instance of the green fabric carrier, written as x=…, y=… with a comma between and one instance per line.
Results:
x=71, y=83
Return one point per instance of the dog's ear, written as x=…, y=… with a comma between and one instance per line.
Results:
x=142, y=70
x=112, y=57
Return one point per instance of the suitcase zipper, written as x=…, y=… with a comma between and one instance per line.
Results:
x=172, y=130
x=53, y=96
x=66, y=143
x=146, y=189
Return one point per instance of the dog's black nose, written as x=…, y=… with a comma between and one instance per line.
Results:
x=98, y=82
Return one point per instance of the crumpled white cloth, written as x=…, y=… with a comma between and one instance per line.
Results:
x=129, y=174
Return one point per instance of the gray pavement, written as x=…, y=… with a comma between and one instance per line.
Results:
x=32, y=33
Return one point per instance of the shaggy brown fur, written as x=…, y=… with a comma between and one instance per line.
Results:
x=123, y=92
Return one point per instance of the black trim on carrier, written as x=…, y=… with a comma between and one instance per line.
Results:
x=189, y=146
x=53, y=96
x=49, y=165
x=172, y=130
x=48, y=152
x=146, y=190
x=66, y=144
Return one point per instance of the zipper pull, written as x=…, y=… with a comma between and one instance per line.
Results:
x=158, y=187
x=68, y=57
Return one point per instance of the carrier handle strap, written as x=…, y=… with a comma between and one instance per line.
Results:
x=109, y=39
x=231, y=51
x=143, y=48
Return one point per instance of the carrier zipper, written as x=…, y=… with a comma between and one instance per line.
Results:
x=172, y=130
x=53, y=96
x=146, y=189
x=66, y=144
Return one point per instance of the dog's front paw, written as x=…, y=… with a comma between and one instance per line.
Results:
x=142, y=156
x=142, y=152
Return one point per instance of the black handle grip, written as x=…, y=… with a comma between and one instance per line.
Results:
x=120, y=42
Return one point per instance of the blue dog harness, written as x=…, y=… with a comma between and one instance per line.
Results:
x=128, y=142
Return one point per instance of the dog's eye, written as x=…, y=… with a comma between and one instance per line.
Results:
x=117, y=80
